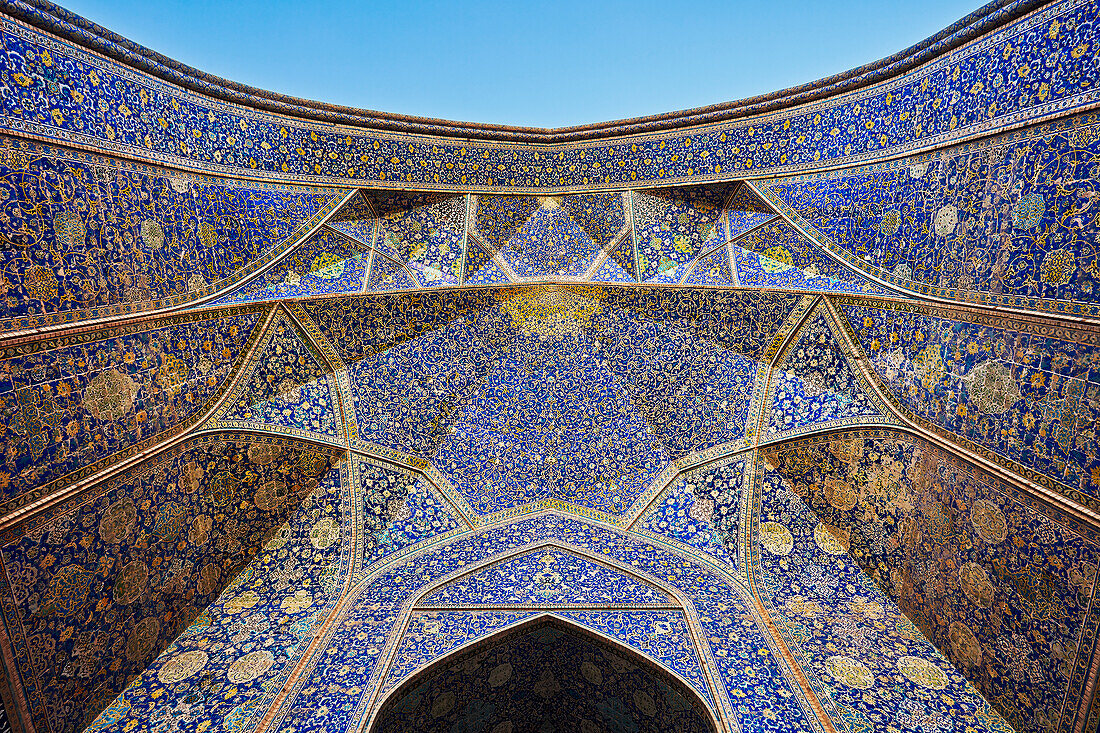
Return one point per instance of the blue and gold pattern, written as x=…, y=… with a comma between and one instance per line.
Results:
x=813, y=384
x=90, y=235
x=547, y=577
x=326, y=263
x=1030, y=398
x=1032, y=67
x=289, y=390
x=644, y=394
x=932, y=534
x=1014, y=217
x=67, y=409
x=102, y=584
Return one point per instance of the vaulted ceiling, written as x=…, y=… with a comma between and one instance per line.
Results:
x=779, y=415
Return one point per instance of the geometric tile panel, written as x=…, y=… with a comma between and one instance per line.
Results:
x=782, y=243
x=746, y=212
x=327, y=262
x=101, y=584
x=65, y=409
x=83, y=232
x=878, y=669
x=619, y=265
x=755, y=270
x=555, y=391
x=703, y=510
x=481, y=269
x=1007, y=217
x=424, y=231
x=387, y=274
x=712, y=269
x=1024, y=395
x=814, y=384
x=674, y=226
x=550, y=235
x=289, y=389
x=840, y=577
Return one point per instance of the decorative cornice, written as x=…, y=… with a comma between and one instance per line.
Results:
x=53, y=19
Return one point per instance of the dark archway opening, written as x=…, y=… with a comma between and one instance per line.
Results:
x=546, y=676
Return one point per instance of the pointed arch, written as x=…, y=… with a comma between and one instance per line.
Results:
x=375, y=721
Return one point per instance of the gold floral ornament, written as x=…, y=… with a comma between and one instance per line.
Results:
x=922, y=673
x=833, y=540
x=272, y=495
x=550, y=310
x=40, y=283
x=68, y=591
x=69, y=230
x=775, y=259
x=967, y=650
x=221, y=489
x=297, y=602
x=591, y=673
x=991, y=388
x=250, y=666
x=850, y=672
x=1058, y=267
x=131, y=582
x=110, y=395
x=208, y=579
x=191, y=477
x=940, y=519
x=1029, y=211
x=182, y=666
x=929, y=366
x=200, y=530
x=891, y=222
x=324, y=533
x=975, y=584
x=152, y=234
x=172, y=374
x=117, y=521
x=179, y=184
x=208, y=235
x=840, y=494
x=263, y=453
x=989, y=521
x=242, y=602
x=326, y=266
x=776, y=539
x=143, y=640
x=170, y=520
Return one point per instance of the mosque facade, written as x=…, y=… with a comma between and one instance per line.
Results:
x=775, y=416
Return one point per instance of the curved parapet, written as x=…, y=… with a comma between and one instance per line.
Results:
x=768, y=351
x=1004, y=66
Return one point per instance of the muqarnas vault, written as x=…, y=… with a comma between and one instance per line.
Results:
x=773, y=416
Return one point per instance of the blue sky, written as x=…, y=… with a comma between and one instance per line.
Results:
x=524, y=63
